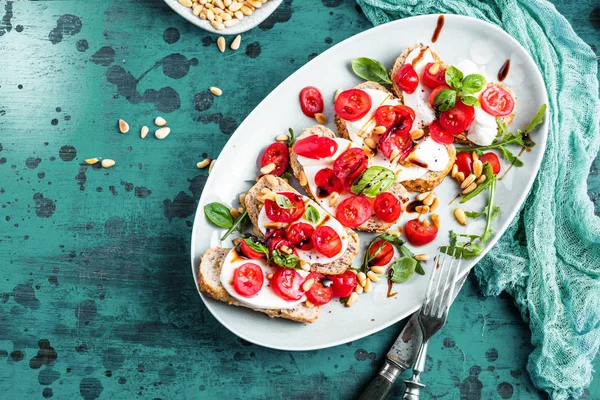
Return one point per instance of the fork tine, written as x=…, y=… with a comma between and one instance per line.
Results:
x=436, y=295
x=427, y=302
x=448, y=295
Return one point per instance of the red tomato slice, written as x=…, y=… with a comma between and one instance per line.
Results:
x=343, y=284
x=348, y=184
x=318, y=294
x=247, y=251
x=278, y=154
x=393, y=139
x=287, y=284
x=387, y=207
x=275, y=233
x=385, y=116
x=327, y=241
x=315, y=147
x=440, y=135
x=419, y=235
x=464, y=161
x=497, y=101
x=328, y=183
x=435, y=91
x=352, y=104
x=493, y=160
x=384, y=256
x=354, y=211
x=248, y=279
x=300, y=235
x=433, y=80
x=351, y=163
x=311, y=101
x=407, y=78
x=405, y=116
x=278, y=214
x=457, y=119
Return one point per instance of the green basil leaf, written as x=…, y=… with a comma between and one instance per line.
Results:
x=537, y=119
x=285, y=260
x=445, y=99
x=373, y=181
x=370, y=70
x=470, y=101
x=219, y=215
x=257, y=246
x=454, y=77
x=283, y=202
x=419, y=269
x=473, y=83
x=312, y=214
x=403, y=269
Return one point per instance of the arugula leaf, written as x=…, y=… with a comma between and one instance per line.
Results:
x=502, y=128
x=488, y=171
x=373, y=181
x=312, y=214
x=472, y=83
x=445, y=99
x=370, y=70
x=285, y=260
x=470, y=101
x=489, y=215
x=219, y=215
x=454, y=78
x=238, y=224
x=291, y=140
x=477, y=214
x=283, y=202
x=537, y=119
x=402, y=269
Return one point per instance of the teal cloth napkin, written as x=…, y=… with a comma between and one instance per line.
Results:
x=549, y=257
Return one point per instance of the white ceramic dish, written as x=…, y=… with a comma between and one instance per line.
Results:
x=247, y=23
x=461, y=38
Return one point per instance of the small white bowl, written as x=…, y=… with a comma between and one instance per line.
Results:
x=247, y=23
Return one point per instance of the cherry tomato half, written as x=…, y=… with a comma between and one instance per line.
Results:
x=464, y=161
x=457, y=119
x=433, y=80
x=497, y=101
x=396, y=138
x=300, y=235
x=287, y=284
x=385, y=116
x=328, y=183
x=387, y=207
x=354, y=211
x=351, y=163
x=419, y=235
x=278, y=214
x=247, y=251
x=439, y=134
x=315, y=147
x=277, y=243
x=248, y=279
x=275, y=233
x=435, y=92
x=318, y=294
x=311, y=101
x=407, y=78
x=278, y=154
x=327, y=241
x=493, y=160
x=343, y=284
x=405, y=116
x=384, y=256
x=352, y=104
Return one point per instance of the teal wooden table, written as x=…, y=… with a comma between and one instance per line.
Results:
x=97, y=298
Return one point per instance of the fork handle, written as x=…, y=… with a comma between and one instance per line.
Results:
x=380, y=387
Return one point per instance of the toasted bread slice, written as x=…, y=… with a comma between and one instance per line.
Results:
x=209, y=282
x=253, y=205
x=373, y=224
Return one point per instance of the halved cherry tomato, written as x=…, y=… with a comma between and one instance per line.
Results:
x=384, y=256
x=354, y=211
x=493, y=160
x=407, y=78
x=275, y=233
x=387, y=207
x=311, y=101
x=327, y=241
x=497, y=101
x=433, y=80
x=393, y=139
x=248, y=279
x=343, y=284
x=315, y=147
x=457, y=119
x=247, y=251
x=328, y=183
x=435, y=91
x=419, y=235
x=287, y=284
x=348, y=184
x=439, y=134
x=318, y=294
x=351, y=163
x=278, y=214
x=464, y=161
x=278, y=154
x=277, y=242
x=352, y=104
x=385, y=116
x=300, y=235
x=405, y=116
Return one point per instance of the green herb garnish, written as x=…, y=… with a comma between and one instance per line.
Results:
x=283, y=202
x=239, y=224
x=461, y=87
x=256, y=246
x=396, y=242
x=402, y=269
x=373, y=181
x=219, y=215
x=285, y=260
x=370, y=70
x=312, y=214
x=292, y=139
x=488, y=171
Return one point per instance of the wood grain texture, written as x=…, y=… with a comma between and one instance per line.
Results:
x=97, y=299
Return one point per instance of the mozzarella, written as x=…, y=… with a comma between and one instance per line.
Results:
x=483, y=129
x=265, y=298
x=359, y=130
x=403, y=173
x=430, y=154
x=419, y=99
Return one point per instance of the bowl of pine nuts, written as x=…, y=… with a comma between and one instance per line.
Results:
x=226, y=17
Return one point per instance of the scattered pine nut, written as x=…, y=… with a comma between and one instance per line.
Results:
x=217, y=24
x=351, y=299
x=236, y=42
x=373, y=276
x=475, y=156
x=241, y=210
x=362, y=278
x=212, y=165
x=246, y=11
x=435, y=218
x=265, y=190
x=304, y=265
x=303, y=180
x=308, y=304
x=282, y=138
x=162, y=133
x=123, y=126
x=353, y=271
x=394, y=154
x=160, y=121
x=468, y=180
x=144, y=132
x=435, y=204
x=204, y=163
x=308, y=284
x=273, y=225
x=234, y=213
x=269, y=276
x=422, y=257
x=460, y=177
x=417, y=134
x=337, y=93
x=429, y=200
x=221, y=44
x=286, y=249
x=422, y=209
x=186, y=3
x=460, y=216
x=368, y=286
x=215, y=90
x=108, y=163
x=423, y=196
x=91, y=161
x=267, y=169
x=377, y=269
x=370, y=142
x=470, y=188
x=333, y=198
x=243, y=199
x=425, y=223
x=379, y=129
x=358, y=289
x=477, y=168
x=321, y=118
x=271, y=179
x=434, y=68
x=454, y=171
x=481, y=179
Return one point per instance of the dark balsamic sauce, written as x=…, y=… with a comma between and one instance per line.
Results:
x=438, y=28
x=504, y=70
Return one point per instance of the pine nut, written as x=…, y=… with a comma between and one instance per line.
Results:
x=204, y=163
x=394, y=232
x=250, y=6
x=274, y=225
x=234, y=213
x=425, y=223
x=468, y=180
x=470, y=188
x=241, y=210
x=272, y=180
x=429, y=200
x=435, y=204
x=187, y=3
x=351, y=299
x=215, y=90
x=308, y=284
x=422, y=209
x=221, y=44
x=256, y=4
x=477, y=168
x=454, y=171
x=162, y=133
x=236, y=42
x=423, y=196
x=91, y=161
x=372, y=276
x=304, y=265
x=282, y=138
x=217, y=25
x=435, y=218
x=303, y=179
x=235, y=6
x=460, y=177
x=210, y=15
x=203, y=15
x=269, y=276
x=107, y=163
x=370, y=143
x=212, y=165
x=377, y=269
x=368, y=286
x=475, y=156
x=197, y=9
x=226, y=3
x=333, y=198
x=417, y=134
x=267, y=169
x=394, y=154
x=246, y=11
x=123, y=126
x=308, y=304
x=209, y=5
x=358, y=289
x=422, y=257
x=379, y=129
x=434, y=68
x=160, y=121
x=353, y=271
x=368, y=151
x=337, y=93
x=362, y=278
x=231, y=22
x=243, y=199
x=219, y=3
x=460, y=216
x=256, y=231
x=239, y=15
x=481, y=179
x=321, y=118
x=144, y=132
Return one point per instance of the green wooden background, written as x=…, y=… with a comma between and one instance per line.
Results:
x=96, y=294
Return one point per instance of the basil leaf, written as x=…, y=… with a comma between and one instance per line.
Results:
x=312, y=214
x=257, y=246
x=283, y=202
x=445, y=99
x=370, y=70
x=472, y=83
x=219, y=215
x=285, y=260
x=537, y=119
x=470, y=101
x=373, y=181
x=454, y=77
x=403, y=269
x=419, y=269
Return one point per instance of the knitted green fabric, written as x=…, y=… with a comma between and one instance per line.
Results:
x=549, y=257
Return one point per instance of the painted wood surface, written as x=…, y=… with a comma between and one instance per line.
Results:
x=96, y=294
